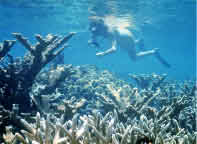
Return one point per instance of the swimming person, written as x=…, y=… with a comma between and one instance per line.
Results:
x=119, y=37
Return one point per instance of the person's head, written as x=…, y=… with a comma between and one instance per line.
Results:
x=97, y=26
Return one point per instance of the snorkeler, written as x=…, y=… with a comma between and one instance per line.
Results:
x=119, y=37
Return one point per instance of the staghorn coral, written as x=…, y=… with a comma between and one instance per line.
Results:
x=43, y=52
x=5, y=47
x=103, y=128
x=9, y=120
x=101, y=91
x=4, y=117
x=152, y=81
x=96, y=129
x=41, y=94
x=86, y=90
x=8, y=136
x=55, y=77
x=43, y=131
x=87, y=82
x=19, y=75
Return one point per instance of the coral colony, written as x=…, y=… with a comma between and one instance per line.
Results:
x=65, y=104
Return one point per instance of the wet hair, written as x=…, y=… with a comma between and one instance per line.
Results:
x=95, y=22
x=96, y=19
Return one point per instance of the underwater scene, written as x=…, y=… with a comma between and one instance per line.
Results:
x=98, y=72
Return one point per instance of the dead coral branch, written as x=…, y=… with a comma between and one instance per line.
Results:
x=5, y=47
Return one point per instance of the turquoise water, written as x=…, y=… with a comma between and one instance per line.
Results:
x=166, y=24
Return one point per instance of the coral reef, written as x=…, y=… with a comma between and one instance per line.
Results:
x=84, y=105
x=88, y=90
x=86, y=85
x=73, y=111
x=101, y=91
x=5, y=47
x=8, y=117
x=18, y=75
x=148, y=81
x=96, y=129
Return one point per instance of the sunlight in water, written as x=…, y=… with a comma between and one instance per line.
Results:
x=119, y=22
x=112, y=16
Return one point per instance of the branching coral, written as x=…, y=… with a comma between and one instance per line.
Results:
x=8, y=120
x=95, y=129
x=43, y=131
x=5, y=47
x=100, y=90
x=102, y=127
x=20, y=75
x=43, y=52
x=158, y=112
x=41, y=96
x=148, y=81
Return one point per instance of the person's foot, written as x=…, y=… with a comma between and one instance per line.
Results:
x=156, y=50
x=160, y=58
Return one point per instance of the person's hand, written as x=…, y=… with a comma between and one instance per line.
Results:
x=100, y=54
x=90, y=42
x=93, y=43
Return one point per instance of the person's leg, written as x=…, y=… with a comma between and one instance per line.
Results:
x=143, y=53
x=132, y=54
x=162, y=60
x=156, y=54
x=146, y=53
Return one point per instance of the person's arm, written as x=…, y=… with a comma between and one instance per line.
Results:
x=110, y=50
x=94, y=42
x=140, y=44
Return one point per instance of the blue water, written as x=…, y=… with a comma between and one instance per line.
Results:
x=166, y=24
